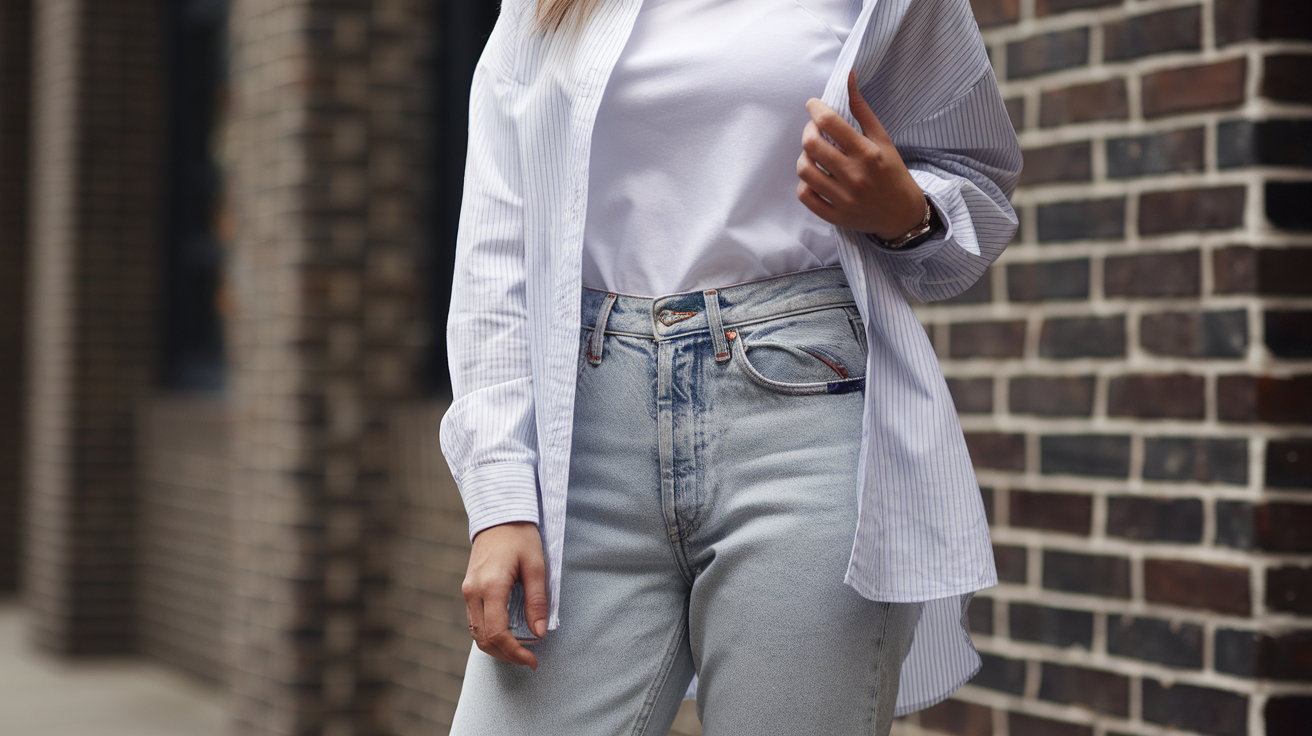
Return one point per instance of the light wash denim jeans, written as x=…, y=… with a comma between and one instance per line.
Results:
x=711, y=511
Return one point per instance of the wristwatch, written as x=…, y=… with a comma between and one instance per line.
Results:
x=929, y=224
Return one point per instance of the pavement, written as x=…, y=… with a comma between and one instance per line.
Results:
x=41, y=695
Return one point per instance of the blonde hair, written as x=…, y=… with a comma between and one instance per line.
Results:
x=552, y=14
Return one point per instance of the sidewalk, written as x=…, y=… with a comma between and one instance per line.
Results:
x=45, y=696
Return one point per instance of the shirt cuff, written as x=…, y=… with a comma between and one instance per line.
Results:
x=499, y=494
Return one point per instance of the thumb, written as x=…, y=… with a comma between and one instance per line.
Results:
x=870, y=125
x=533, y=575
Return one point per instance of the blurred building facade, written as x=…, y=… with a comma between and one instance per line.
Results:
x=225, y=247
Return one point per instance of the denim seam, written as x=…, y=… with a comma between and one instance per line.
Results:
x=662, y=677
x=877, y=661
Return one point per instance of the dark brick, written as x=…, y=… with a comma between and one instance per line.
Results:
x=1287, y=715
x=1083, y=337
x=1199, y=709
x=1048, y=280
x=1220, y=588
x=1289, y=333
x=972, y=395
x=1168, y=396
x=1265, y=399
x=1155, y=640
x=1270, y=271
x=1196, y=459
x=1284, y=77
x=1000, y=673
x=995, y=12
x=1059, y=627
x=1084, y=103
x=986, y=495
x=1071, y=513
x=1236, y=398
x=996, y=450
x=1241, y=20
x=1194, y=88
x=1236, y=524
x=1153, y=275
x=1062, y=162
x=1048, y=53
x=1016, y=112
x=980, y=615
x=1011, y=563
x=1051, y=396
x=979, y=292
x=1105, y=456
x=987, y=339
x=1236, y=652
x=1052, y=7
x=1178, y=29
x=1100, y=691
x=1289, y=463
x=1195, y=334
x=1289, y=589
x=1217, y=208
x=1020, y=724
x=1264, y=143
x=1088, y=574
x=1287, y=204
x=959, y=718
x=1284, y=527
x=1097, y=219
x=1284, y=656
x=1163, y=153
x=1155, y=519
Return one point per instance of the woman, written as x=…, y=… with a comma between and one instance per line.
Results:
x=678, y=304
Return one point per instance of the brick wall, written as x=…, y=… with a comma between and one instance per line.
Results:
x=1135, y=375
x=323, y=161
x=185, y=530
x=15, y=70
x=97, y=126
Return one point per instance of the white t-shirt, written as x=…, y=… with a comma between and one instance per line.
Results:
x=693, y=178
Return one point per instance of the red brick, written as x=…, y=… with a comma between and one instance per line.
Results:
x=958, y=718
x=1020, y=724
x=1284, y=527
x=1171, y=274
x=1012, y=563
x=1219, y=588
x=1182, y=210
x=1196, y=709
x=987, y=339
x=1195, y=334
x=1265, y=399
x=972, y=395
x=1062, y=162
x=1195, y=88
x=996, y=450
x=1052, y=7
x=1169, y=396
x=1269, y=271
x=1071, y=513
x=1104, y=692
x=1083, y=103
x=1049, y=52
x=995, y=12
x=1100, y=575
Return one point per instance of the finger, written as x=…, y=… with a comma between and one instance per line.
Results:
x=473, y=610
x=870, y=125
x=815, y=203
x=824, y=153
x=833, y=125
x=820, y=182
x=500, y=643
x=533, y=574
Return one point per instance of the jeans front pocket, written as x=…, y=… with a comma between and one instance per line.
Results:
x=811, y=353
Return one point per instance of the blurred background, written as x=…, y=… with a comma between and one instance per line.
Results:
x=226, y=236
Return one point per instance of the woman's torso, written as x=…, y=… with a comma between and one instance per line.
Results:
x=692, y=178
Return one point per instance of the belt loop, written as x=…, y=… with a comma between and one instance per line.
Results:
x=716, y=324
x=599, y=330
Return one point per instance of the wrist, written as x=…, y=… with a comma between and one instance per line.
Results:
x=925, y=227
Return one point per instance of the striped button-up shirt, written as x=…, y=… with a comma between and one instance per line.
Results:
x=513, y=332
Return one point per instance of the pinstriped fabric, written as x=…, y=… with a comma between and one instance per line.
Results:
x=513, y=334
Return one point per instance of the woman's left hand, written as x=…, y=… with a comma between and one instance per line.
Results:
x=867, y=187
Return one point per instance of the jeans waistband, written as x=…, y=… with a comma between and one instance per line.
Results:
x=739, y=304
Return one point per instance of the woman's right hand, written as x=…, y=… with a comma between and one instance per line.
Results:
x=503, y=554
